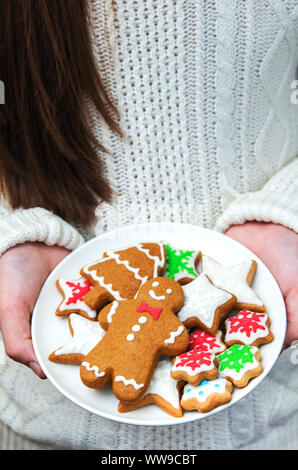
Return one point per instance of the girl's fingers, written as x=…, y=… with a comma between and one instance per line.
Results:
x=16, y=335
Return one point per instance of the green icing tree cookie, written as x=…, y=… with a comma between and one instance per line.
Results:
x=180, y=263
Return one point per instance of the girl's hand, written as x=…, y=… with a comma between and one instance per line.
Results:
x=277, y=247
x=23, y=270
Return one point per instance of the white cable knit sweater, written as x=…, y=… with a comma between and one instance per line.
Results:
x=204, y=91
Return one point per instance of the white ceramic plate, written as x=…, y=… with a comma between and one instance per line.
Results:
x=50, y=332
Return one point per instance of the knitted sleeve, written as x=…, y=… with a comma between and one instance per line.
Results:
x=35, y=225
x=276, y=202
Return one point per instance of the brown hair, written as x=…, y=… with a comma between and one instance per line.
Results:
x=47, y=150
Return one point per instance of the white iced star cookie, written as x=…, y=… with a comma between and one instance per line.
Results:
x=85, y=335
x=163, y=391
x=236, y=279
x=73, y=292
x=207, y=395
x=205, y=304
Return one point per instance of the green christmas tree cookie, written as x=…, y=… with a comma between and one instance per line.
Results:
x=181, y=264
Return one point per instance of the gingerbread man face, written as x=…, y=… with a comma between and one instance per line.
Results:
x=138, y=332
x=162, y=292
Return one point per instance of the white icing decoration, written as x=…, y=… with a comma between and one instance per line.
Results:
x=201, y=300
x=130, y=337
x=142, y=319
x=205, y=388
x=169, y=291
x=80, y=304
x=158, y=262
x=242, y=336
x=93, y=369
x=112, y=311
x=174, y=334
x=86, y=335
x=155, y=284
x=163, y=384
x=120, y=378
x=232, y=278
x=200, y=368
x=156, y=297
x=136, y=328
x=100, y=279
x=135, y=271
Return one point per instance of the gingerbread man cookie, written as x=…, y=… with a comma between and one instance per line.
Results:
x=119, y=274
x=138, y=332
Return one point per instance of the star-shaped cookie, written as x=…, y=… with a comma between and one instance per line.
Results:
x=235, y=279
x=205, y=304
x=163, y=391
x=73, y=292
x=85, y=335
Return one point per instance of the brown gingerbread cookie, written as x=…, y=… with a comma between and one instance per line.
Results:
x=119, y=274
x=139, y=331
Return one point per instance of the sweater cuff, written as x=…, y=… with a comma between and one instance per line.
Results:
x=277, y=202
x=36, y=225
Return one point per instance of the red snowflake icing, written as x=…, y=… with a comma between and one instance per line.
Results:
x=200, y=339
x=194, y=359
x=78, y=290
x=246, y=322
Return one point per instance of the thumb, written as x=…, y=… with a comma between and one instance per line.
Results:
x=291, y=300
x=16, y=335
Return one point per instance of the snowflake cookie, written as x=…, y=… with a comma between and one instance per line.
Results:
x=194, y=366
x=73, y=292
x=205, y=304
x=235, y=279
x=208, y=395
x=240, y=363
x=249, y=328
x=163, y=391
x=205, y=342
x=181, y=265
x=85, y=335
